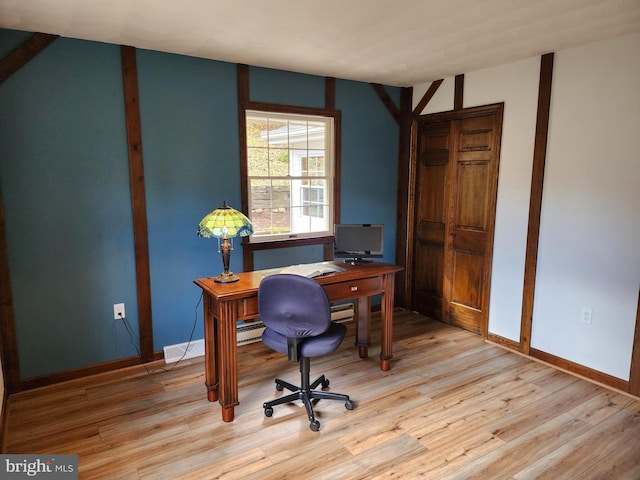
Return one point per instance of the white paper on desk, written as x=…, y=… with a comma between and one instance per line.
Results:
x=311, y=270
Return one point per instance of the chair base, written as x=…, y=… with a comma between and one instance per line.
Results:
x=306, y=394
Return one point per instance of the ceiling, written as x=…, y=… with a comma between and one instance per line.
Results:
x=394, y=42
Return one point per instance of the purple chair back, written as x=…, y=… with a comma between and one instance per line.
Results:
x=294, y=306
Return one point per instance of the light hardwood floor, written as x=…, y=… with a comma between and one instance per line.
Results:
x=452, y=406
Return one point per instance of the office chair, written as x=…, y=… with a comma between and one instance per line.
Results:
x=297, y=316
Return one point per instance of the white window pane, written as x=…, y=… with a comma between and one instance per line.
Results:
x=278, y=162
x=277, y=133
x=257, y=162
x=255, y=126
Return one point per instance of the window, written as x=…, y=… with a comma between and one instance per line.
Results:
x=311, y=193
x=290, y=169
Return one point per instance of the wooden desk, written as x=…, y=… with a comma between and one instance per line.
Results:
x=224, y=304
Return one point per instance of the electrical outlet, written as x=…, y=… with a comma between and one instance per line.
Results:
x=118, y=311
x=587, y=313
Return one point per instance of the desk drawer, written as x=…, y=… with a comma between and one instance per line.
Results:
x=248, y=308
x=354, y=288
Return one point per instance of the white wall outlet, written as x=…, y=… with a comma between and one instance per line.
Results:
x=118, y=311
x=587, y=313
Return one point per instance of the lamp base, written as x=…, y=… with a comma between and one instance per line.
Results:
x=226, y=278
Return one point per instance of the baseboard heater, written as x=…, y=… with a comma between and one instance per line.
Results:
x=249, y=332
x=183, y=351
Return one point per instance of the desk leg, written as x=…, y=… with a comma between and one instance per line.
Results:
x=210, y=349
x=227, y=359
x=363, y=326
x=386, y=352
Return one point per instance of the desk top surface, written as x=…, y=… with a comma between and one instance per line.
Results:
x=250, y=281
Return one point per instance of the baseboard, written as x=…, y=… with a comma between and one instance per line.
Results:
x=581, y=370
x=504, y=342
x=562, y=364
x=58, y=377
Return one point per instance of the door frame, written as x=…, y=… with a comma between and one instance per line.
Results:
x=496, y=109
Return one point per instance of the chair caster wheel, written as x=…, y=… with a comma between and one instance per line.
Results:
x=325, y=383
x=349, y=405
x=279, y=387
x=314, y=426
x=268, y=412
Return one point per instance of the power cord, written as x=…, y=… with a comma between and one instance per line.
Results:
x=193, y=329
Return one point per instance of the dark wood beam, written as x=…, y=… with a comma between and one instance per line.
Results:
x=330, y=104
x=243, y=83
x=458, y=95
x=404, y=200
x=24, y=53
x=8, y=336
x=386, y=99
x=242, y=72
x=535, y=202
x=138, y=200
x=428, y=95
x=330, y=93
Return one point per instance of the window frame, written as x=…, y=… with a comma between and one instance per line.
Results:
x=252, y=244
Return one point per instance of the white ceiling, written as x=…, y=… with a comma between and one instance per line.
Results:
x=394, y=42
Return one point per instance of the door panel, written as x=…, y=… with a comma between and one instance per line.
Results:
x=471, y=204
x=427, y=285
x=471, y=190
x=430, y=203
x=465, y=302
x=467, y=280
x=429, y=222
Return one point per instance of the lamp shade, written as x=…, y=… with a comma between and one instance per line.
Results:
x=225, y=222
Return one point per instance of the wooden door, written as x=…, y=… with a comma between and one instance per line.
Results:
x=456, y=187
x=430, y=220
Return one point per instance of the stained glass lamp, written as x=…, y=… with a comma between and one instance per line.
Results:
x=224, y=223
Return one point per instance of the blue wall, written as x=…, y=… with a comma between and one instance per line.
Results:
x=64, y=182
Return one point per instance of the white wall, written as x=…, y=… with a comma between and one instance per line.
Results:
x=590, y=225
x=441, y=101
x=589, y=251
x=515, y=84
